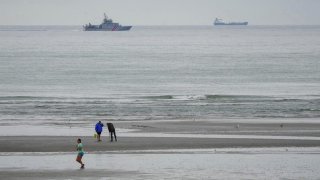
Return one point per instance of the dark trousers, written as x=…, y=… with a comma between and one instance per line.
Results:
x=111, y=135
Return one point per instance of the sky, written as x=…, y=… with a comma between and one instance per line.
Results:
x=159, y=12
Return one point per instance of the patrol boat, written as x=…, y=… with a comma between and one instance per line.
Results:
x=218, y=22
x=106, y=25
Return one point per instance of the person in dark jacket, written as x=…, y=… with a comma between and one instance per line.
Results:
x=99, y=128
x=112, y=131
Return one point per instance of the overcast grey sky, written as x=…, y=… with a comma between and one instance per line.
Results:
x=159, y=12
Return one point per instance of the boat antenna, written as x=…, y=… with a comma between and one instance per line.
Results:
x=105, y=18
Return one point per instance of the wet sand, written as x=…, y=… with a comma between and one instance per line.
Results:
x=173, y=135
x=68, y=174
x=230, y=163
x=68, y=144
x=273, y=127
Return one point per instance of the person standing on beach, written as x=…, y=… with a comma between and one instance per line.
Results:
x=112, y=131
x=80, y=153
x=98, y=129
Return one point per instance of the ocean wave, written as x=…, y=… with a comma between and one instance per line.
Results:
x=217, y=98
x=203, y=97
x=288, y=100
x=308, y=110
x=23, y=97
x=235, y=97
x=167, y=107
x=23, y=30
x=231, y=99
x=159, y=97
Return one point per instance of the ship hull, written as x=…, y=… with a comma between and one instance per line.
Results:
x=232, y=24
x=119, y=28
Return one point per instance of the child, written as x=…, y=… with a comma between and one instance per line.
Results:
x=80, y=153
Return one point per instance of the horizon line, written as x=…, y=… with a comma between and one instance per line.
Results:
x=164, y=25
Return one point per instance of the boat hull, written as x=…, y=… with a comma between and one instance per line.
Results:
x=232, y=24
x=119, y=28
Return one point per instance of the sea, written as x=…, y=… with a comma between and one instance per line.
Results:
x=54, y=74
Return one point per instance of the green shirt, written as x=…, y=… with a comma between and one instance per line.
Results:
x=80, y=148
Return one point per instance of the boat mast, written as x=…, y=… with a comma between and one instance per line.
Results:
x=105, y=17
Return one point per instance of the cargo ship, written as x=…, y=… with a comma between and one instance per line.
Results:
x=106, y=25
x=218, y=22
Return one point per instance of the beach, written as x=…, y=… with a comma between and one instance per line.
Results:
x=166, y=150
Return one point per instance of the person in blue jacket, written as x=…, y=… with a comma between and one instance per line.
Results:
x=98, y=129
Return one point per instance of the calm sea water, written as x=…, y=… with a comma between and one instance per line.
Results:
x=56, y=73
